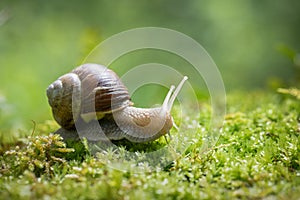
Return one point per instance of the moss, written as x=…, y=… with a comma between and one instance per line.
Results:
x=41, y=155
x=257, y=156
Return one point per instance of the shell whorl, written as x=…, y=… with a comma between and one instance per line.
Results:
x=86, y=91
x=64, y=96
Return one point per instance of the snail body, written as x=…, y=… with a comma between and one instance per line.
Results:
x=93, y=95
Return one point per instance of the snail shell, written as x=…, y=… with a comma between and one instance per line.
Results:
x=86, y=89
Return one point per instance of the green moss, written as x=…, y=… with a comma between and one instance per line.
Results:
x=41, y=155
x=257, y=156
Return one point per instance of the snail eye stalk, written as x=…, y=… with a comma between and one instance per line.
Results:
x=175, y=94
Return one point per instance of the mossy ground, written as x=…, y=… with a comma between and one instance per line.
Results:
x=256, y=157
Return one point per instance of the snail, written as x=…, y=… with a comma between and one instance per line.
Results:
x=92, y=95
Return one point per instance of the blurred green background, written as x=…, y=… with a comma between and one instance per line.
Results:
x=254, y=43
